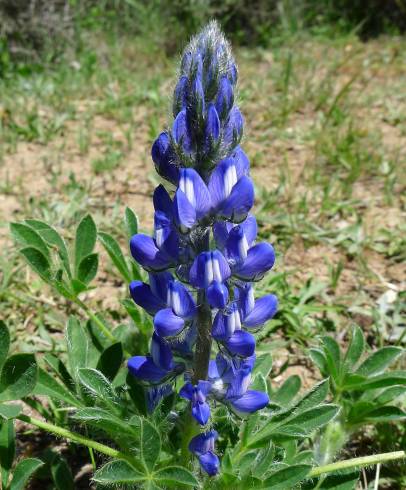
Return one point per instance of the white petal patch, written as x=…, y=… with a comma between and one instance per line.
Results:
x=186, y=186
x=243, y=247
x=159, y=237
x=208, y=272
x=216, y=270
x=230, y=179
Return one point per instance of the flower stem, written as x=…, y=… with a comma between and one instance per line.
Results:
x=203, y=341
x=357, y=462
x=100, y=325
x=74, y=437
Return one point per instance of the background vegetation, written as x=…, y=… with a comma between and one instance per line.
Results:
x=83, y=90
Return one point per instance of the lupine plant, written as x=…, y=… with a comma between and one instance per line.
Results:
x=177, y=396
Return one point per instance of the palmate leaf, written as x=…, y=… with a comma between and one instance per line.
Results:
x=77, y=343
x=99, y=387
x=355, y=349
x=287, y=392
x=287, y=477
x=386, y=380
x=48, y=386
x=110, y=360
x=150, y=444
x=61, y=474
x=118, y=472
x=23, y=472
x=38, y=262
x=377, y=362
x=28, y=237
x=173, y=476
x=87, y=268
x=116, y=255
x=52, y=238
x=4, y=342
x=131, y=222
x=344, y=480
x=8, y=412
x=85, y=240
x=7, y=449
x=18, y=377
x=105, y=420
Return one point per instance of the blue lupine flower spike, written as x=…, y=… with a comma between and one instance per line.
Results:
x=203, y=257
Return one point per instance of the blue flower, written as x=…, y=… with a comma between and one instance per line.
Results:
x=202, y=446
x=164, y=158
x=230, y=382
x=197, y=396
x=156, y=367
x=188, y=274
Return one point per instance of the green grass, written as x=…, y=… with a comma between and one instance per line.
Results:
x=326, y=135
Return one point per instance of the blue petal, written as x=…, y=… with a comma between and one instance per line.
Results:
x=208, y=267
x=203, y=443
x=197, y=95
x=244, y=296
x=187, y=391
x=237, y=245
x=250, y=228
x=222, y=180
x=239, y=202
x=159, y=282
x=143, y=368
x=233, y=73
x=142, y=295
x=180, y=95
x=162, y=201
x=146, y=253
x=224, y=98
x=217, y=295
x=239, y=383
x=212, y=128
x=210, y=463
x=196, y=191
x=264, y=309
x=180, y=300
x=161, y=353
x=201, y=412
x=181, y=131
x=220, y=232
x=167, y=324
x=260, y=259
x=250, y=402
x=166, y=237
x=241, y=161
x=241, y=344
x=219, y=329
x=185, y=213
x=233, y=128
x=204, y=387
x=164, y=158
x=213, y=372
x=155, y=394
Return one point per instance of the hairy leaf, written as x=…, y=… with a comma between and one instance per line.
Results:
x=18, y=377
x=85, y=240
x=23, y=472
x=116, y=255
x=377, y=362
x=118, y=472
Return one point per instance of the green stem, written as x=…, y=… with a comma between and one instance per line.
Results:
x=102, y=327
x=357, y=462
x=74, y=437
